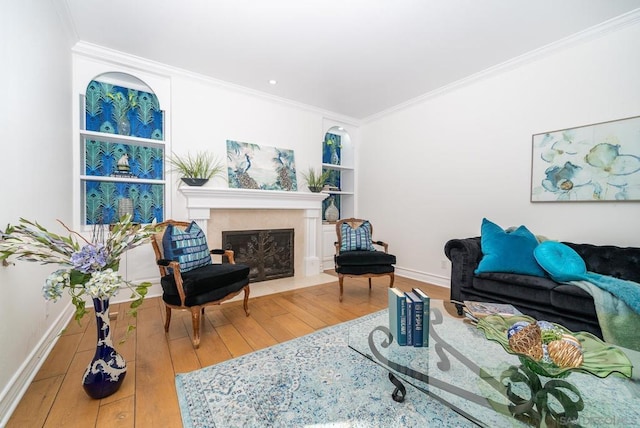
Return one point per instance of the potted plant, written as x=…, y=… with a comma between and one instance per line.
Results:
x=196, y=169
x=315, y=181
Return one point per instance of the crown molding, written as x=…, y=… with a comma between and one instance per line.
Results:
x=64, y=13
x=600, y=30
x=145, y=65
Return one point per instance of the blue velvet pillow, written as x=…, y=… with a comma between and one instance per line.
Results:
x=510, y=252
x=356, y=239
x=188, y=247
x=560, y=261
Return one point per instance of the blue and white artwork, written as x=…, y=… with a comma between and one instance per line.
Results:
x=252, y=166
x=598, y=162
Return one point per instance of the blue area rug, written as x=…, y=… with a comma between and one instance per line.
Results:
x=315, y=380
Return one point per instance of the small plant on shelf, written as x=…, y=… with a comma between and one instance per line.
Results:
x=196, y=169
x=315, y=181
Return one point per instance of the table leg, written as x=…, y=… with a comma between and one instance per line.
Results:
x=400, y=391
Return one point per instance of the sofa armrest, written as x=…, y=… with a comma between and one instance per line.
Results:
x=465, y=254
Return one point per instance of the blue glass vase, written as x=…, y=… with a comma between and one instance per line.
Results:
x=107, y=370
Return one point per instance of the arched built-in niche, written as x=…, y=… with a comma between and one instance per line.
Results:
x=123, y=150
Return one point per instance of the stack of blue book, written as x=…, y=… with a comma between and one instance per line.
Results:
x=409, y=316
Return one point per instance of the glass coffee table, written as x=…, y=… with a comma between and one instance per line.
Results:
x=478, y=379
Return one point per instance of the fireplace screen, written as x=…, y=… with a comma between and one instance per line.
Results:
x=268, y=252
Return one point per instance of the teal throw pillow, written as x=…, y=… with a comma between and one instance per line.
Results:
x=510, y=252
x=561, y=262
x=188, y=247
x=356, y=239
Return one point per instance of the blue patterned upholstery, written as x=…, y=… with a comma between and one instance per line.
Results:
x=356, y=239
x=188, y=247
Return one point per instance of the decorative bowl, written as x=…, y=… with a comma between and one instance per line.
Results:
x=599, y=359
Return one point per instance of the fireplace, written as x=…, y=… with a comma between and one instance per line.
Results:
x=269, y=252
x=216, y=210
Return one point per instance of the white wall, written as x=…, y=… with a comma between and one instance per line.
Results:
x=202, y=114
x=35, y=118
x=206, y=115
x=465, y=154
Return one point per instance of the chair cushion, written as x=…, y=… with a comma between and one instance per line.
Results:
x=188, y=247
x=362, y=270
x=356, y=239
x=365, y=258
x=510, y=252
x=206, y=283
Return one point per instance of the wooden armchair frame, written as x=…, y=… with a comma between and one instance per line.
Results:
x=164, y=266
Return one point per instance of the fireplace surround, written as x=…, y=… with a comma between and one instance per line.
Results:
x=212, y=209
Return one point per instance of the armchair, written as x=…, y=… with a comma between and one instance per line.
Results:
x=356, y=255
x=189, y=279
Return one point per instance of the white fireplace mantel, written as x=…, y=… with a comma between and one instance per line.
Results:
x=201, y=200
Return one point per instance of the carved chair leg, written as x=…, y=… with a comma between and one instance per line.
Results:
x=246, y=300
x=167, y=319
x=369, y=283
x=393, y=277
x=195, y=321
x=341, y=281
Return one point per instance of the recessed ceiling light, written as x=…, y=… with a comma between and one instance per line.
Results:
x=273, y=82
x=340, y=128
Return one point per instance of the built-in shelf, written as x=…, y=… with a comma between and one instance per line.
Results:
x=337, y=167
x=121, y=180
x=124, y=139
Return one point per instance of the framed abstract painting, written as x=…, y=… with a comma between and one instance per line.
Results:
x=599, y=162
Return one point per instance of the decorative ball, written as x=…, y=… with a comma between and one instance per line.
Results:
x=566, y=352
x=516, y=327
x=528, y=341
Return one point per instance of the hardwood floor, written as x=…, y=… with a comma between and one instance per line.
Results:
x=148, y=397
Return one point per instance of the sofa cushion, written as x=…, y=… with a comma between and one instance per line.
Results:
x=560, y=261
x=570, y=298
x=356, y=239
x=510, y=252
x=206, y=283
x=516, y=286
x=365, y=258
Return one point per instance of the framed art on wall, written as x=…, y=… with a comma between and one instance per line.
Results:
x=253, y=166
x=599, y=162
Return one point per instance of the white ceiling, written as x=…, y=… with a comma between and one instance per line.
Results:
x=352, y=57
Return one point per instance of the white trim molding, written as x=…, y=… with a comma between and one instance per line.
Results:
x=201, y=200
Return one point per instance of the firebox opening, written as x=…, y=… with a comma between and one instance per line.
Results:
x=268, y=252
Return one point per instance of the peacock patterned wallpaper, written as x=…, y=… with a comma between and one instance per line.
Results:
x=331, y=151
x=118, y=110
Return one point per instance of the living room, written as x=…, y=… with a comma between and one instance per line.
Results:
x=427, y=171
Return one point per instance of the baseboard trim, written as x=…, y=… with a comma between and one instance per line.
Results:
x=429, y=278
x=19, y=383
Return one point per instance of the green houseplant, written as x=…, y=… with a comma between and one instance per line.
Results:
x=196, y=169
x=316, y=181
